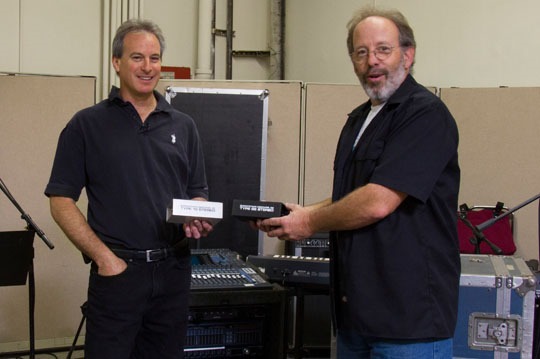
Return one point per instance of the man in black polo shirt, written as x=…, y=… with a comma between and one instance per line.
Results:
x=392, y=215
x=133, y=153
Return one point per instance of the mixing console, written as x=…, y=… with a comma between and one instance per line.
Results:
x=223, y=269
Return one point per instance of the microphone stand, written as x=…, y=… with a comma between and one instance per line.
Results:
x=477, y=230
x=478, y=236
x=32, y=227
x=492, y=221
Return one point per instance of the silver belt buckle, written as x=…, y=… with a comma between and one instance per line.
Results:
x=149, y=253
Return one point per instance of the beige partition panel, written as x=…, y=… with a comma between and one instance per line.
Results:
x=326, y=109
x=34, y=109
x=499, y=148
x=283, y=146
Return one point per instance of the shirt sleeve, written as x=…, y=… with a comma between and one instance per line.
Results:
x=68, y=174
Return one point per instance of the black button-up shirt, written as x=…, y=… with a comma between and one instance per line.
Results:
x=400, y=275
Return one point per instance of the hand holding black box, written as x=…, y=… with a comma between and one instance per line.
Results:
x=248, y=210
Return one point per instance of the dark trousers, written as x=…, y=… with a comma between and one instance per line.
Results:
x=141, y=313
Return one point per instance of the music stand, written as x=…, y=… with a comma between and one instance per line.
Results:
x=16, y=263
x=16, y=255
x=17, y=268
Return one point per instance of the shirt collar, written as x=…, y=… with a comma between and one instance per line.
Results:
x=403, y=91
x=162, y=104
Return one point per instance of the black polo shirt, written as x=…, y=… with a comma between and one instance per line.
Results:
x=131, y=171
x=400, y=276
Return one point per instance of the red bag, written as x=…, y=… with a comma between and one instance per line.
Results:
x=499, y=233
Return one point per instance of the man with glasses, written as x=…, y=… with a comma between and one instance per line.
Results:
x=392, y=215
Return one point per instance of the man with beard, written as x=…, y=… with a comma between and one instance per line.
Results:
x=394, y=249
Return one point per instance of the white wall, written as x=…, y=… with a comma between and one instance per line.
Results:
x=251, y=25
x=64, y=37
x=178, y=21
x=9, y=35
x=60, y=37
x=315, y=49
x=480, y=43
x=461, y=43
x=50, y=37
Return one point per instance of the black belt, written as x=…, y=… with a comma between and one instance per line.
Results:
x=151, y=255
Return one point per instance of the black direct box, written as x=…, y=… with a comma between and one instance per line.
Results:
x=252, y=210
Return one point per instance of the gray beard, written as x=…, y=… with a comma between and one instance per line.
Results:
x=392, y=84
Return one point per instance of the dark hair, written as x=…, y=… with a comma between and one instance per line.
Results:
x=406, y=35
x=135, y=25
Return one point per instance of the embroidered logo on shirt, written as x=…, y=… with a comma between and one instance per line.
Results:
x=173, y=138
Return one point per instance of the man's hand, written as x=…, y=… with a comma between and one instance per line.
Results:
x=113, y=266
x=295, y=226
x=197, y=228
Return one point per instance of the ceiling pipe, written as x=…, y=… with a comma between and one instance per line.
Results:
x=277, y=42
x=228, y=71
x=205, y=49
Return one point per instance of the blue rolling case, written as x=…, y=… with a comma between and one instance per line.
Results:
x=496, y=308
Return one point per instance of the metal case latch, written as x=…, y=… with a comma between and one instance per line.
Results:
x=488, y=331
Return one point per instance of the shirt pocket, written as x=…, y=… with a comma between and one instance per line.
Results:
x=365, y=162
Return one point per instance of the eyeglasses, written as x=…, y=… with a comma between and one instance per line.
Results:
x=381, y=52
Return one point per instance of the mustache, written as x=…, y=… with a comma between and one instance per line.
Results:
x=375, y=72
x=364, y=78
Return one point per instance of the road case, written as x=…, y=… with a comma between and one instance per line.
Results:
x=496, y=308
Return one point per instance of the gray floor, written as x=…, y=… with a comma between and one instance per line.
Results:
x=80, y=355
x=52, y=355
x=310, y=352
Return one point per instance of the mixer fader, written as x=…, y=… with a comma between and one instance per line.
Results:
x=223, y=269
